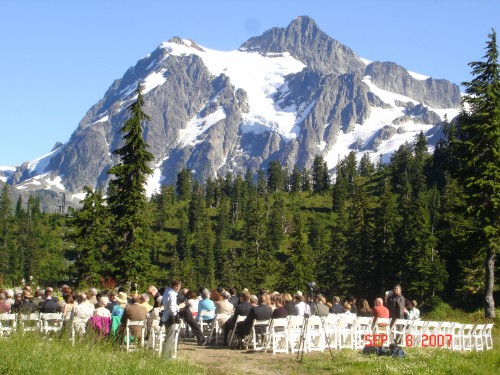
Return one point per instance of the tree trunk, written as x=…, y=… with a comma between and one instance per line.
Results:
x=489, y=302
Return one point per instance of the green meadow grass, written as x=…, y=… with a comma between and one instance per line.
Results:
x=33, y=354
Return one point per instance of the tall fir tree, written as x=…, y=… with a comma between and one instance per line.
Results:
x=91, y=224
x=479, y=144
x=5, y=225
x=131, y=247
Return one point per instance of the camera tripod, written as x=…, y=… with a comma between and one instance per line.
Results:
x=305, y=326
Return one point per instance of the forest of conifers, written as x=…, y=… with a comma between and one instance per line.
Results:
x=430, y=222
x=376, y=225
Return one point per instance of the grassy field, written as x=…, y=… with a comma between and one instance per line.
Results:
x=32, y=354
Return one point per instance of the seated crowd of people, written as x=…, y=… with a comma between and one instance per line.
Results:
x=108, y=311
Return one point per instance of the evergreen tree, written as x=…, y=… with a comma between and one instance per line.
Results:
x=366, y=167
x=127, y=199
x=183, y=185
x=91, y=224
x=275, y=178
x=479, y=143
x=386, y=254
x=276, y=222
x=306, y=180
x=296, y=181
x=5, y=218
x=299, y=269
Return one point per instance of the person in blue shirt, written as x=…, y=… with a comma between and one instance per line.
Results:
x=207, y=306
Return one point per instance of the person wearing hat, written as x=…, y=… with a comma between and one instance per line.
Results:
x=116, y=314
x=26, y=306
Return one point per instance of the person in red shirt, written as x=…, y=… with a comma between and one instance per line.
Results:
x=379, y=310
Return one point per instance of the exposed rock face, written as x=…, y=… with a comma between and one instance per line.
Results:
x=197, y=114
x=438, y=93
x=306, y=41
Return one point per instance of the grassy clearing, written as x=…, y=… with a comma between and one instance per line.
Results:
x=33, y=354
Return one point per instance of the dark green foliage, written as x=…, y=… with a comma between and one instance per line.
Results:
x=478, y=145
x=90, y=235
x=130, y=245
x=275, y=177
x=184, y=181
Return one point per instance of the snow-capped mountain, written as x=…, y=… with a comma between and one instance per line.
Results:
x=289, y=95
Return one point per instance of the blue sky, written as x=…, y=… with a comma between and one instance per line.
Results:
x=59, y=57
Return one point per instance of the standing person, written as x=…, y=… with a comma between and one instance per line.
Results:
x=170, y=319
x=396, y=304
x=414, y=312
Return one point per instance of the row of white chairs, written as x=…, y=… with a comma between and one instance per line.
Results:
x=35, y=322
x=341, y=331
x=54, y=322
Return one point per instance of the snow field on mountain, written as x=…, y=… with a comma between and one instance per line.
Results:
x=379, y=117
x=260, y=76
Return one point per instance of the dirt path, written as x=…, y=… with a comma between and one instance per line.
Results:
x=222, y=360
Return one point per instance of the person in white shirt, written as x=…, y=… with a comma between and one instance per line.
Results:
x=170, y=319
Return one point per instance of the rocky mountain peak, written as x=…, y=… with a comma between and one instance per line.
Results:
x=303, y=39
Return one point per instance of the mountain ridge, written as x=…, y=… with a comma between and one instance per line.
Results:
x=288, y=95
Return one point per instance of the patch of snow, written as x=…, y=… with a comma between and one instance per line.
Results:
x=366, y=61
x=100, y=118
x=260, y=76
x=418, y=76
x=79, y=196
x=153, y=80
x=153, y=184
x=39, y=165
x=43, y=181
x=379, y=117
x=198, y=125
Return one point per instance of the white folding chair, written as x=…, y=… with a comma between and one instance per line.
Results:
x=315, y=335
x=29, y=322
x=278, y=336
x=382, y=328
x=204, y=326
x=131, y=341
x=233, y=339
x=445, y=335
x=345, y=330
x=258, y=340
x=416, y=331
x=78, y=327
x=51, y=322
x=8, y=324
x=331, y=328
x=477, y=337
x=457, y=336
x=295, y=323
x=399, y=329
x=216, y=329
x=487, y=336
x=467, y=337
x=362, y=326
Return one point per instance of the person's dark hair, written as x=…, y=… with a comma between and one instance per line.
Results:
x=191, y=294
x=68, y=298
x=175, y=282
x=122, y=290
x=215, y=296
x=233, y=291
